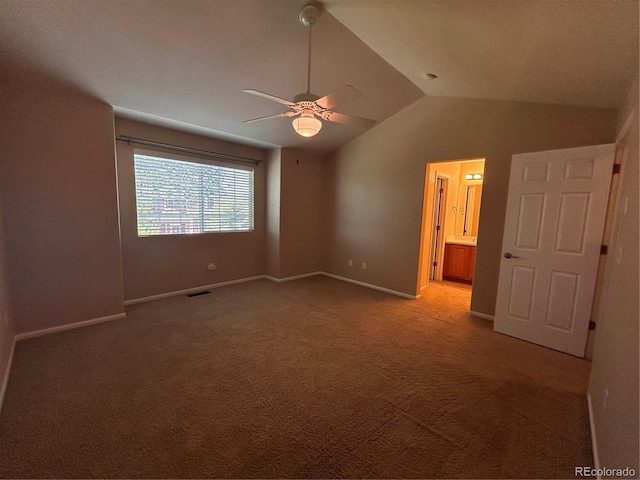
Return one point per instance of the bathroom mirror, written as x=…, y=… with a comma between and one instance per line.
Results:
x=467, y=210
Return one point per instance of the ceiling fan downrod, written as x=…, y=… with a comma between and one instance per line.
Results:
x=308, y=17
x=307, y=106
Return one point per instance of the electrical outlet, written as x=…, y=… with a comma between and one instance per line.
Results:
x=364, y=265
x=605, y=399
x=211, y=266
x=350, y=263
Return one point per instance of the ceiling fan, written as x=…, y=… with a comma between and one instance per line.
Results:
x=307, y=106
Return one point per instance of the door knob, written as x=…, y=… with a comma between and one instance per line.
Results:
x=508, y=255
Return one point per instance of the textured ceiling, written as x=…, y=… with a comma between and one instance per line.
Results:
x=184, y=63
x=575, y=52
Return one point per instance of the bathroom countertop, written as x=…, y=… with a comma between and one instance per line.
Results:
x=459, y=240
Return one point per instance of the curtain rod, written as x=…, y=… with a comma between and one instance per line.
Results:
x=194, y=151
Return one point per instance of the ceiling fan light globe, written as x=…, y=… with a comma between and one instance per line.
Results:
x=307, y=126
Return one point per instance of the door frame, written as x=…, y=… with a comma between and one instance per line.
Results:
x=436, y=247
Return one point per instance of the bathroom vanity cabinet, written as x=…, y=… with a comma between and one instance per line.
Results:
x=459, y=262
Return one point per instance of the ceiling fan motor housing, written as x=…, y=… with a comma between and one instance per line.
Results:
x=305, y=97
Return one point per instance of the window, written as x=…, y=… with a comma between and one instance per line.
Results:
x=175, y=197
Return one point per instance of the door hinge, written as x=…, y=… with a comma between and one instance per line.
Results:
x=442, y=190
x=435, y=264
x=437, y=227
x=592, y=325
x=603, y=249
x=616, y=168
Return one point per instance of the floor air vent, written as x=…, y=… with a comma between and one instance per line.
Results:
x=198, y=293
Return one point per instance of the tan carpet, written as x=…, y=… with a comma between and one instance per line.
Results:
x=312, y=378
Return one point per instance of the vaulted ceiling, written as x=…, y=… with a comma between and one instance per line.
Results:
x=184, y=63
x=571, y=52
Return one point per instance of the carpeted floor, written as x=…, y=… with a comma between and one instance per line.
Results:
x=311, y=378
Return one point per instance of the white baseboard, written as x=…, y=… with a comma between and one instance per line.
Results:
x=192, y=290
x=592, y=427
x=369, y=285
x=482, y=315
x=47, y=331
x=5, y=377
x=267, y=277
x=69, y=326
x=344, y=279
x=295, y=277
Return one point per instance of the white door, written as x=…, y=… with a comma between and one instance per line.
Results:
x=551, y=245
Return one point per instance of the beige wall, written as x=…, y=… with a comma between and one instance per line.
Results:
x=162, y=264
x=58, y=193
x=374, y=187
x=615, y=358
x=301, y=212
x=274, y=182
x=294, y=212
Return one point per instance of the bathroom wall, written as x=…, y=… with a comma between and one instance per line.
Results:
x=474, y=209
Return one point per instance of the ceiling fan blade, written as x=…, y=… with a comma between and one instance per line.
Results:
x=284, y=114
x=342, y=95
x=273, y=98
x=348, y=119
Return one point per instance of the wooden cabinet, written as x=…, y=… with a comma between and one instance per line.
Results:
x=459, y=262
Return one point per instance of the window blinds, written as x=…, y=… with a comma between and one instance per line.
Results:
x=175, y=197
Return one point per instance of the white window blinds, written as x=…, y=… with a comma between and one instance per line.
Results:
x=176, y=197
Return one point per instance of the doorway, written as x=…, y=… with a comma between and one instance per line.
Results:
x=450, y=221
